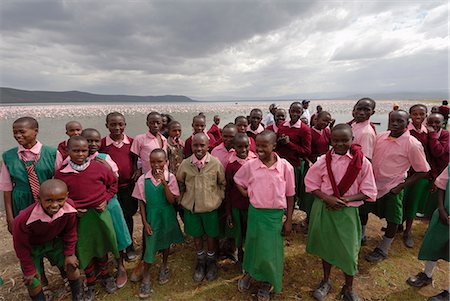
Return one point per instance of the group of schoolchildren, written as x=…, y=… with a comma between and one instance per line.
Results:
x=74, y=205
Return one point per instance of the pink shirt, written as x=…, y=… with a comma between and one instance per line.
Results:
x=442, y=179
x=139, y=189
x=257, y=131
x=199, y=163
x=221, y=153
x=144, y=144
x=267, y=187
x=251, y=155
x=317, y=177
x=109, y=141
x=297, y=125
x=392, y=157
x=28, y=155
x=411, y=127
x=38, y=213
x=365, y=136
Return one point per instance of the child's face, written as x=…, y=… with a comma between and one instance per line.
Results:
x=255, y=119
x=398, y=120
x=228, y=136
x=175, y=131
x=154, y=123
x=94, y=141
x=280, y=116
x=264, y=147
x=242, y=125
x=322, y=122
x=363, y=110
x=295, y=111
x=200, y=146
x=198, y=125
x=157, y=161
x=216, y=120
x=74, y=129
x=242, y=147
x=24, y=133
x=164, y=121
x=78, y=151
x=53, y=199
x=116, y=125
x=341, y=140
x=435, y=122
x=418, y=115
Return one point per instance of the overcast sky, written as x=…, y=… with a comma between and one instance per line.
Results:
x=220, y=49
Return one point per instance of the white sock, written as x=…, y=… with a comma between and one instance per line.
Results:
x=385, y=244
x=363, y=231
x=429, y=267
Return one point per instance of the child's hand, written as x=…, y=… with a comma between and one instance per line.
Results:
x=230, y=221
x=282, y=140
x=444, y=217
x=81, y=212
x=148, y=229
x=70, y=263
x=433, y=188
x=396, y=189
x=333, y=203
x=10, y=222
x=136, y=175
x=287, y=228
x=28, y=280
x=101, y=207
x=430, y=129
x=159, y=176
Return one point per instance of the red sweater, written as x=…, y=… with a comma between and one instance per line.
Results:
x=215, y=131
x=188, y=145
x=123, y=158
x=39, y=232
x=233, y=198
x=90, y=187
x=299, y=145
x=438, y=150
x=62, y=148
x=320, y=143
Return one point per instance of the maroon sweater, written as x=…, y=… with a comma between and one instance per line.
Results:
x=299, y=145
x=39, y=232
x=423, y=138
x=188, y=145
x=62, y=148
x=90, y=187
x=438, y=150
x=233, y=198
x=123, y=158
x=320, y=143
x=216, y=132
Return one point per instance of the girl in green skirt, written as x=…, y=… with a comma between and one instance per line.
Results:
x=340, y=180
x=156, y=191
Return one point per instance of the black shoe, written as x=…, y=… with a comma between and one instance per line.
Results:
x=200, y=269
x=376, y=255
x=349, y=295
x=211, y=268
x=443, y=296
x=322, y=290
x=420, y=280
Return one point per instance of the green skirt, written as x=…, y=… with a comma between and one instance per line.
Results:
x=435, y=244
x=430, y=205
x=96, y=236
x=415, y=196
x=335, y=236
x=166, y=231
x=120, y=226
x=239, y=226
x=264, y=247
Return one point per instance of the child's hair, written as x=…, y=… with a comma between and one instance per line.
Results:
x=445, y=102
x=169, y=117
x=27, y=119
x=372, y=102
x=158, y=151
x=72, y=122
x=172, y=123
x=268, y=135
x=256, y=110
x=229, y=125
x=419, y=105
x=114, y=114
x=342, y=126
x=236, y=120
x=153, y=113
x=322, y=114
x=240, y=136
x=296, y=103
x=196, y=117
x=85, y=131
x=75, y=139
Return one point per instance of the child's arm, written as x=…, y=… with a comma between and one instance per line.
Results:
x=304, y=148
x=443, y=214
x=287, y=226
x=147, y=227
x=409, y=181
x=168, y=193
x=7, y=198
x=22, y=247
x=70, y=242
x=332, y=202
x=354, y=198
x=181, y=177
x=438, y=146
x=243, y=190
x=221, y=180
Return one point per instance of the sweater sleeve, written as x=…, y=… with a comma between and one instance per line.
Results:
x=111, y=183
x=438, y=145
x=304, y=148
x=70, y=235
x=221, y=180
x=22, y=246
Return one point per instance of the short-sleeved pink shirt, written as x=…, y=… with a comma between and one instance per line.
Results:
x=139, y=189
x=365, y=136
x=144, y=144
x=221, y=153
x=442, y=179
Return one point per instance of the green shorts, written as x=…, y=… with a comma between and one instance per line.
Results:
x=390, y=207
x=198, y=224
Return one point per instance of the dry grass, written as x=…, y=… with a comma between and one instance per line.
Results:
x=383, y=281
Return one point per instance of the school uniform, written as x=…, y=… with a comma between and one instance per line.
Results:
x=215, y=131
x=223, y=154
x=364, y=134
x=88, y=188
x=267, y=188
x=254, y=133
x=335, y=235
x=18, y=163
x=62, y=149
x=175, y=154
x=37, y=235
x=272, y=127
x=392, y=158
x=144, y=144
x=188, y=144
x=161, y=215
x=202, y=191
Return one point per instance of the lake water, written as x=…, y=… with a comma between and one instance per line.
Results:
x=53, y=117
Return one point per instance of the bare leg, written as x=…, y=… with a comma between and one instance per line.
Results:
x=326, y=270
x=349, y=281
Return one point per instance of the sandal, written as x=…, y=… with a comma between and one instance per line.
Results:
x=264, y=292
x=144, y=290
x=163, y=275
x=244, y=283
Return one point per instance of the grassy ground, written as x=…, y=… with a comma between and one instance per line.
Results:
x=382, y=281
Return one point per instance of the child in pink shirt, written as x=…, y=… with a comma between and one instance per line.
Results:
x=396, y=151
x=225, y=150
x=269, y=183
x=241, y=123
x=73, y=128
x=340, y=180
x=363, y=130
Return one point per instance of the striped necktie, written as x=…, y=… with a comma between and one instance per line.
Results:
x=33, y=178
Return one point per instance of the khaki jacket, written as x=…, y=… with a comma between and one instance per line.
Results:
x=201, y=191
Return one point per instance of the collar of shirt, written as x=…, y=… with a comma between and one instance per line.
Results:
x=251, y=155
x=202, y=162
x=257, y=131
x=109, y=141
x=276, y=166
x=337, y=156
x=221, y=146
x=93, y=156
x=38, y=213
x=297, y=125
x=69, y=169
x=150, y=176
x=423, y=129
x=35, y=150
x=397, y=140
x=318, y=131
